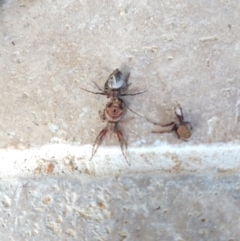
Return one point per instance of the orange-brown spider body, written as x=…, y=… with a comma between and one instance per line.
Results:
x=183, y=129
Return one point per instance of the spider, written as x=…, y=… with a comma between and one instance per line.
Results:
x=113, y=112
x=115, y=86
x=183, y=129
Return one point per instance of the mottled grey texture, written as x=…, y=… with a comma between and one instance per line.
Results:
x=179, y=51
x=184, y=51
x=129, y=208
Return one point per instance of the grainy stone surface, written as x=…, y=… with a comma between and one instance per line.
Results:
x=179, y=51
x=184, y=51
x=140, y=207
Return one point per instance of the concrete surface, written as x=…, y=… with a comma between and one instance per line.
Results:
x=184, y=51
x=139, y=207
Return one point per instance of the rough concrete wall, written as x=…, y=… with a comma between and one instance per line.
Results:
x=184, y=51
x=140, y=207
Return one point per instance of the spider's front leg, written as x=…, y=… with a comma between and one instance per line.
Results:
x=167, y=131
x=160, y=124
x=98, y=141
x=132, y=94
x=161, y=131
x=179, y=114
x=169, y=124
x=126, y=85
x=123, y=144
x=96, y=93
x=99, y=87
x=188, y=124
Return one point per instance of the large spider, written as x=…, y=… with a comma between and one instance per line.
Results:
x=182, y=129
x=113, y=112
x=115, y=86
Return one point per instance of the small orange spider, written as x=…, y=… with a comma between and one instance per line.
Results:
x=183, y=129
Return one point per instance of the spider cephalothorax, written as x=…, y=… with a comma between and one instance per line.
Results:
x=115, y=86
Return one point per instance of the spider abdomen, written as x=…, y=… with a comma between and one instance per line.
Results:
x=114, y=109
x=183, y=132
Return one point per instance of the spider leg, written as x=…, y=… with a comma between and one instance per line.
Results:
x=159, y=124
x=123, y=144
x=98, y=87
x=189, y=124
x=125, y=85
x=160, y=132
x=180, y=117
x=132, y=94
x=127, y=78
x=126, y=82
x=169, y=124
x=96, y=93
x=134, y=111
x=167, y=131
x=153, y=122
x=98, y=141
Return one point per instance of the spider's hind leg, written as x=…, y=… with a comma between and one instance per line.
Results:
x=174, y=128
x=123, y=144
x=98, y=141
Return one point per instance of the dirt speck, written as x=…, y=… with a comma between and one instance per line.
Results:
x=49, y=168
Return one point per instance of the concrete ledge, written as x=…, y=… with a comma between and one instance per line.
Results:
x=64, y=159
